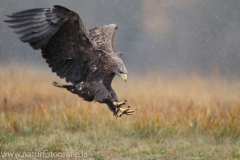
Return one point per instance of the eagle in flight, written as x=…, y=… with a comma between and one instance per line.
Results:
x=85, y=59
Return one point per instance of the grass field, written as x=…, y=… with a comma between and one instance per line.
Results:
x=181, y=117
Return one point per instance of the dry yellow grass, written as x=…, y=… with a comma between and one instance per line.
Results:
x=183, y=117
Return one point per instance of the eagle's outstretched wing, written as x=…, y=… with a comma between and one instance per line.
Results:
x=104, y=37
x=61, y=35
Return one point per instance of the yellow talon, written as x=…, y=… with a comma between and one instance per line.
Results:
x=122, y=111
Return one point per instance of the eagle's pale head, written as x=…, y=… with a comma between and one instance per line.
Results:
x=121, y=70
x=115, y=64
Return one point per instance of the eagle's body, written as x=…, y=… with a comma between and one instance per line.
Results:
x=87, y=60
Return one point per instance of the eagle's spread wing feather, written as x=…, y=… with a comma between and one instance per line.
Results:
x=104, y=37
x=61, y=35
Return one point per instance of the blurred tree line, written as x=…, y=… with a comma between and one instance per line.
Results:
x=165, y=35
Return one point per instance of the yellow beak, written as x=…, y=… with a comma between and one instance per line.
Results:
x=124, y=77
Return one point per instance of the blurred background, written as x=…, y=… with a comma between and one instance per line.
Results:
x=169, y=36
x=195, y=115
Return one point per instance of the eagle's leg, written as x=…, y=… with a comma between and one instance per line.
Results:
x=101, y=95
x=120, y=111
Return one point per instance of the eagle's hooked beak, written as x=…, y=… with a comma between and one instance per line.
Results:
x=123, y=76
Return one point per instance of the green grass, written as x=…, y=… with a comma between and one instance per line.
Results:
x=99, y=146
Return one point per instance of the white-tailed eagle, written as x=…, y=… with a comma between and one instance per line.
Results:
x=86, y=60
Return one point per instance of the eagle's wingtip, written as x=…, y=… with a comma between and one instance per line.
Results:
x=9, y=16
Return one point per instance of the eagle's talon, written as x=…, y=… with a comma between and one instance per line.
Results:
x=119, y=105
x=121, y=111
x=122, y=103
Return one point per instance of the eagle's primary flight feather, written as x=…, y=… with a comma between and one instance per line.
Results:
x=87, y=60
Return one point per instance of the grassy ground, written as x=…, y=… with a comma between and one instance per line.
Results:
x=182, y=117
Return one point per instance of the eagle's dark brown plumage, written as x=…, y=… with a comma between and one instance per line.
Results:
x=87, y=60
